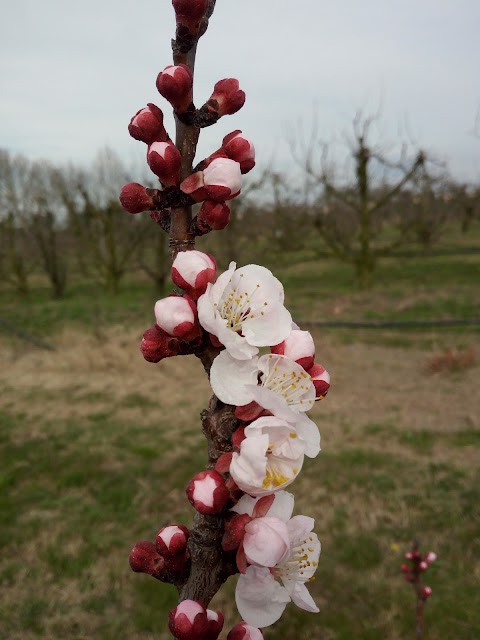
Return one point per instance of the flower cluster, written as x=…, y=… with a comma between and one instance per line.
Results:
x=261, y=365
x=238, y=314
x=413, y=570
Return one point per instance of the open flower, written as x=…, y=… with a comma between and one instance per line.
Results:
x=244, y=310
x=272, y=453
x=260, y=599
x=284, y=388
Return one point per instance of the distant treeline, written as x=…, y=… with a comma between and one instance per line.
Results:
x=67, y=222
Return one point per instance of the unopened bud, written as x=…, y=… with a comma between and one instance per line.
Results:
x=188, y=621
x=223, y=179
x=147, y=125
x=177, y=316
x=227, y=97
x=430, y=557
x=244, y=631
x=215, y=621
x=213, y=215
x=144, y=558
x=164, y=160
x=192, y=271
x=135, y=199
x=156, y=346
x=426, y=593
x=321, y=380
x=299, y=346
x=189, y=13
x=423, y=566
x=172, y=540
x=175, y=84
x=239, y=148
x=208, y=493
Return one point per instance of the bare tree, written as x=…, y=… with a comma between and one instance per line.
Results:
x=350, y=211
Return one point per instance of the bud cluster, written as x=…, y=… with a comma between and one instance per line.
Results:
x=416, y=565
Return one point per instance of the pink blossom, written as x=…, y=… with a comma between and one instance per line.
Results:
x=260, y=599
x=175, y=84
x=244, y=310
x=177, y=316
x=239, y=148
x=207, y=492
x=188, y=621
x=192, y=271
x=215, y=621
x=270, y=458
x=299, y=346
x=147, y=125
x=165, y=160
x=220, y=181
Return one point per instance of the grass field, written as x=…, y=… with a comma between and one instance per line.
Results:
x=96, y=447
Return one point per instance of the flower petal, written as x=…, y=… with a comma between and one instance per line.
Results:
x=308, y=431
x=301, y=596
x=248, y=468
x=229, y=376
x=266, y=541
x=260, y=600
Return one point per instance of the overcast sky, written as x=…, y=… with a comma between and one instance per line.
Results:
x=73, y=73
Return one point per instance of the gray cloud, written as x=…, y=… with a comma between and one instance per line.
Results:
x=72, y=74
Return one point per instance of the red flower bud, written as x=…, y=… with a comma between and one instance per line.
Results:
x=135, y=199
x=189, y=13
x=321, y=380
x=156, y=346
x=188, y=621
x=227, y=97
x=207, y=492
x=244, y=631
x=426, y=593
x=172, y=540
x=423, y=566
x=239, y=148
x=175, y=84
x=144, y=558
x=214, y=625
x=164, y=160
x=213, y=215
x=147, y=125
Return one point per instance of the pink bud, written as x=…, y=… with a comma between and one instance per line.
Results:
x=135, y=199
x=426, y=593
x=189, y=13
x=188, y=621
x=172, y=540
x=192, y=271
x=409, y=555
x=156, y=346
x=164, y=160
x=405, y=568
x=298, y=346
x=144, y=558
x=244, y=631
x=222, y=179
x=215, y=624
x=175, y=84
x=430, y=557
x=321, y=380
x=227, y=97
x=239, y=148
x=213, y=215
x=207, y=492
x=235, y=531
x=147, y=125
x=177, y=316
x=423, y=566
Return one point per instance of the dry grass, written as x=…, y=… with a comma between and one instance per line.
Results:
x=383, y=414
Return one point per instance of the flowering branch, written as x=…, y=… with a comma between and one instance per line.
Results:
x=413, y=570
x=256, y=425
